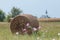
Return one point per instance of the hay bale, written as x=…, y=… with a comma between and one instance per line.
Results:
x=10, y=19
x=24, y=23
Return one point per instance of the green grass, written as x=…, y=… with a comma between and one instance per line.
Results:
x=48, y=31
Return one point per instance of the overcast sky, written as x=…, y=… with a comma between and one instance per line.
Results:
x=34, y=7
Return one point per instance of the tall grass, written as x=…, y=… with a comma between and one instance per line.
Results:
x=48, y=31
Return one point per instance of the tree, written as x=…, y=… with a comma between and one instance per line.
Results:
x=2, y=15
x=9, y=16
x=15, y=11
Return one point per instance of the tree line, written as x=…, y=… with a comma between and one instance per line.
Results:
x=14, y=12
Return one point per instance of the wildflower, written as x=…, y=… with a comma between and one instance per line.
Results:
x=34, y=29
x=17, y=33
x=39, y=27
x=58, y=33
x=24, y=29
x=38, y=38
x=53, y=39
x=27, y=24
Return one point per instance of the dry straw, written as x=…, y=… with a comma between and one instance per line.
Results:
x=24, y=24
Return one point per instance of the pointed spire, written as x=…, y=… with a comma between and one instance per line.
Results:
x=46, y=12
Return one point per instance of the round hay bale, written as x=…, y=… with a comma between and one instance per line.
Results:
x=10, y=19
x=24, y=23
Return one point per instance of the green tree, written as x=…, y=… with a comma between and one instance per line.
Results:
x=9, y=16
x=15, y=11
x=2, y=16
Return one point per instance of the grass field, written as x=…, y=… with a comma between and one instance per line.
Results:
x=48, y=31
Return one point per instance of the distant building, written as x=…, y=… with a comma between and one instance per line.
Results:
x=45, y=16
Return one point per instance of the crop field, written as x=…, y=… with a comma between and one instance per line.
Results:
x=49, y=19
x=48, y=31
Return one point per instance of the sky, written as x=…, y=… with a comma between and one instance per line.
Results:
x=34, y=7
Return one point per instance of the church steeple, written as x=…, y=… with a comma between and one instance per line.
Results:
x=46, y=12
